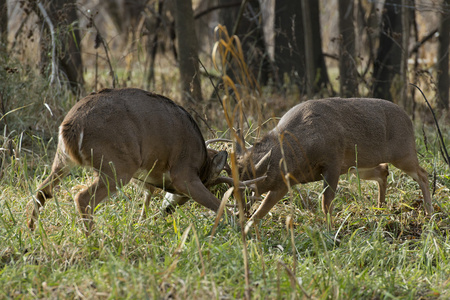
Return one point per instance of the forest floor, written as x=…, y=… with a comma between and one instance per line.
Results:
x=371, y=253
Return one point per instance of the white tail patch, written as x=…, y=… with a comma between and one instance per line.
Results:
x=61, y=144
x=80, y=141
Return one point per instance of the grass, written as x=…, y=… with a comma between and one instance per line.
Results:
x=390, y=253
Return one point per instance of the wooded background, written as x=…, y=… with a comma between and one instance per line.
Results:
x=322, y=48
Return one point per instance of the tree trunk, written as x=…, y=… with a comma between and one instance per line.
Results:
x=289, y=42
x=321, y=80
x=347, y=60
x=3, y=25
x=309, y=56
x=187, y=51
x=63, y=15
x=403, y=84
x=443, y=57
x=389, y=54
x=250, y=32
x=316, y=70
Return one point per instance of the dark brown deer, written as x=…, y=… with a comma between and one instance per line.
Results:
x=130, y=133
x=322, y=139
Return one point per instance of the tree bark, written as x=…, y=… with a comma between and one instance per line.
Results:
x=63, y=14
x=250, y=32
x=187, y=51
x=316, y=70
x=289, y=42
x=389, y=53
x=309, y=54
x=443, y=57
x=403, y=84
x=3, y=25
x=347, y=60
x=321, y=80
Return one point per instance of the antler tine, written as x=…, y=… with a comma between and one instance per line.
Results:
x=223, y=179
x=242, y=184
x=217, y=140
x=253, y=181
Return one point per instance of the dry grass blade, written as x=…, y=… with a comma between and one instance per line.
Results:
x=228, y=56
x=225, y=198
x=199, y=252
x=242, y=87
x=242, y=220
x=176, y=253
x=293, y=279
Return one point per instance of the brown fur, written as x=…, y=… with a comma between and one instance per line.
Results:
x=322, y=139
x=123, y=133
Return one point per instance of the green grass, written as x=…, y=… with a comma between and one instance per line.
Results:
x=390, y=253
x=394, y=252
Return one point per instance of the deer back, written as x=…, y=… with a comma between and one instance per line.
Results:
x=148, y=129
x=317, y=133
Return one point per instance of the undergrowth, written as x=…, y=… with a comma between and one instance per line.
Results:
x=371, y=253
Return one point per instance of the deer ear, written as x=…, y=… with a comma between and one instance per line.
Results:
x=264, y=162
x=218, y=163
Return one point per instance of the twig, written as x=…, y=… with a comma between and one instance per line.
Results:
x=422, y=41
x=443, y=148
x=213, y=8
x=105, y=47
x=216, y=90
x=100, y=40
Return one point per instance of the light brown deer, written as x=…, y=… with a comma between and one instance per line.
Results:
x=130, y=133
x=322, y=139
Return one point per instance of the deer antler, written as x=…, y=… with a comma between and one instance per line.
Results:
x=242, y=184
x=217, y=140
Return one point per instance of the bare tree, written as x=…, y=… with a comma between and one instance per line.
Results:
x=347, y=59
x=316, y=70
x=187, y=51
x=403, y=82
x=289, y=41
x=309, y=54
x=443, y=59
x=389, y=54
x=321, y=81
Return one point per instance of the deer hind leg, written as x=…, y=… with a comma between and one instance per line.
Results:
x=379, y=174
x=410, y=165
x=104, y=185
x=60, y=169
